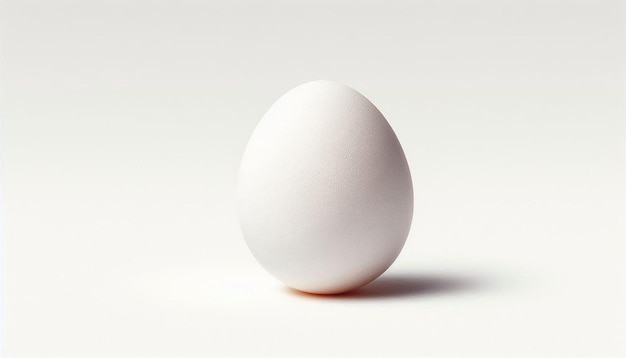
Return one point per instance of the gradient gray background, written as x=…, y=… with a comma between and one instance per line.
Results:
x=124, y=123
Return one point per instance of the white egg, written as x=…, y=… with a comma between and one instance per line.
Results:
x=325, y=197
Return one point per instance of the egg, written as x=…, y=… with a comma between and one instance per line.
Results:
x=325, y=197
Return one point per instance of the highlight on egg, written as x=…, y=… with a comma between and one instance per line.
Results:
x=325, y=197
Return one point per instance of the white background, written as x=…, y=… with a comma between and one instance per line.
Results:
x=124, y=123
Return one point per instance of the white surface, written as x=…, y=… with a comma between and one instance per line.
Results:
x=124, y=123
x=324, y=196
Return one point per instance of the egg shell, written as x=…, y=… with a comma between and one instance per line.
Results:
x=325, y=197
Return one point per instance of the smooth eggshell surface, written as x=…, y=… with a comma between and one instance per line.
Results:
x=325, y=197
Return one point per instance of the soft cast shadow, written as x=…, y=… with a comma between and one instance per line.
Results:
x=409, y=285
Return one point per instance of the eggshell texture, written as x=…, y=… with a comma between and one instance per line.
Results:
x=325, y=197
